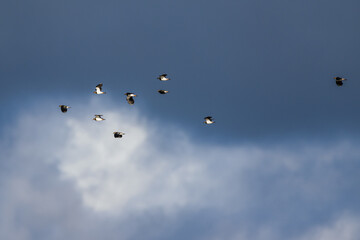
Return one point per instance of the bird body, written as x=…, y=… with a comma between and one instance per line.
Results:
x=118, y=134
x=64, y=108
x=163, y=91
x=98, y=89
x=339, y=80
x=98, y=118
x=163, y=77
x=130, y=98
x=208, y=120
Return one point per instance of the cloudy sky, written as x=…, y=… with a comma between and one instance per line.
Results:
x=281, y=162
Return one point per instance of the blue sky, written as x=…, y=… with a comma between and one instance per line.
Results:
x=280, y=163
x=243, y=61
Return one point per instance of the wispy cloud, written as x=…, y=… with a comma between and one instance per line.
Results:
x=65, y=170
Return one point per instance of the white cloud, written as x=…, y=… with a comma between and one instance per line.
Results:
x=128, y=173
x=65, y=161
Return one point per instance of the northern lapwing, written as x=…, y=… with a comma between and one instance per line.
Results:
x=98, y=89
x=130, y=98
x=163, y=91
x=208, y=120
x=339, y=80
x=118, y=134
x=163, y=77
x=98, y=118
x=64, y=108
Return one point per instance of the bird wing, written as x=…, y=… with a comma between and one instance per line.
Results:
x=99, y=86
x=130, y=100
x=118, y=134
x=63, y=108
x=339, y=83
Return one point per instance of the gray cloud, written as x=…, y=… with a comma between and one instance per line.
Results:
x=346, y=227
x=65, y=176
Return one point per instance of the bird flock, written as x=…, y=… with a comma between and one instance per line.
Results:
x=130, y=99
x=163, y=77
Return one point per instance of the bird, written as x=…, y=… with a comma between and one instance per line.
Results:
x=98, y=118
x=118, y=134
x=208, y=120
x=129, y=98
x=163, y=91
x=64, y=108
x=163, y=77
x=339, y=80
x=98, y=89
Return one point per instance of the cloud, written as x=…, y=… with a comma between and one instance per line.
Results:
x=65, y=172
x=133, y=173
x=346, y=227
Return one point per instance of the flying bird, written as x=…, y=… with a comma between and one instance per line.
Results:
x=163, y=91
x=129, y=98
x=163, y=77
x=64, y=108
x=98, y=89
x=208, y=120
x=339, y=80
x=98, y=118
x=118, y=134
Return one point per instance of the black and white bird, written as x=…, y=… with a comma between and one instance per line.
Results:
x=98, y=89
x=163, y=77
x=118, y=134
x=64, y=108
x=130, y=98
x=98, y=118
x=208, y=120
x=339, y=80
x=163, y=91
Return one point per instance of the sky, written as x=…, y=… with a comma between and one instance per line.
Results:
x=280, y=163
